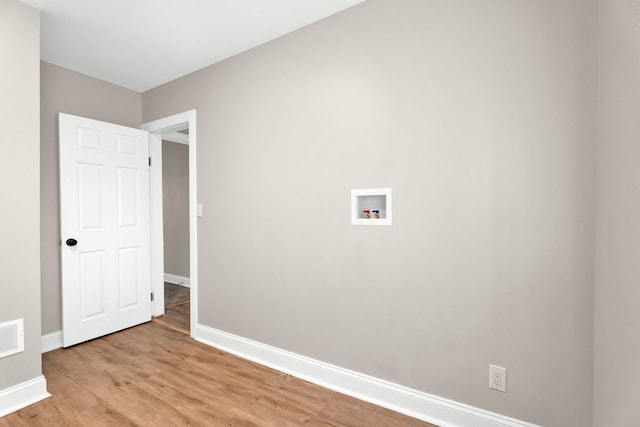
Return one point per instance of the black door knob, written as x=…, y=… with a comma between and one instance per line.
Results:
x=72, y=242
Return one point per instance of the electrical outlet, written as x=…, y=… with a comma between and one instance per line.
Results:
x=498, y=378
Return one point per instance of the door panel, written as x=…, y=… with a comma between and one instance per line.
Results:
x=104, y=205
x=128, y=276
x=90, y=195
x=128, y=184
x=92, y=284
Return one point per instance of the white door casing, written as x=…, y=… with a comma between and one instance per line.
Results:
x=157, y=129
x=104, y=206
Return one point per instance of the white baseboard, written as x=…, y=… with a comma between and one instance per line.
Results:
x=51, y=341
x=414, y=403
x=22, y=395
x=177, y=280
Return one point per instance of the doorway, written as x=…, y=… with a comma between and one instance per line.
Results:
x=175, y=206
x=173, y=136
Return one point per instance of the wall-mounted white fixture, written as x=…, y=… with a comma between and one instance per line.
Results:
x=11, y=337
x=371, y=206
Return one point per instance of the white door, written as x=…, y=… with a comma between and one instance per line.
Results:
x=105, y=228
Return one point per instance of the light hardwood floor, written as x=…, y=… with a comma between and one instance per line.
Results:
x=177, y=317
x=156, y=375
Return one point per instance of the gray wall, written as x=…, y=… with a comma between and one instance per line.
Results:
x=175, y=206
x=69, y=92
x=19, y=178
x=482, y=118
x=617, y=294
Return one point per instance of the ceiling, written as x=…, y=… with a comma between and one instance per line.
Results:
x=141, y=44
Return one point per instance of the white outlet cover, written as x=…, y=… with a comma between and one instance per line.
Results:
x=498, y=378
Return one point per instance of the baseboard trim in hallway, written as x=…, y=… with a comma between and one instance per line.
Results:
x=51, y=341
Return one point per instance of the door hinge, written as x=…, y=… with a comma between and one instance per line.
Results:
x=149, y=161
x=151, y=296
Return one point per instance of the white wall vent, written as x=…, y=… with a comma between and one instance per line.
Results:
x=11, y=337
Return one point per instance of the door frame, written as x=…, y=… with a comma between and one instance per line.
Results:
x=156, y=129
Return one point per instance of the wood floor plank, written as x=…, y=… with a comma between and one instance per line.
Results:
x=154, y=375
x=177, y=317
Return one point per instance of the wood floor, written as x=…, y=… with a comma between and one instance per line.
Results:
x=156, y=375
x=177, y=317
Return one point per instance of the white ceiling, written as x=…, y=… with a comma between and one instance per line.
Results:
x=141, y=44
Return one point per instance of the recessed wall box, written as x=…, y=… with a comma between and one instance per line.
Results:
x=11, y=337
x=371, y=206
